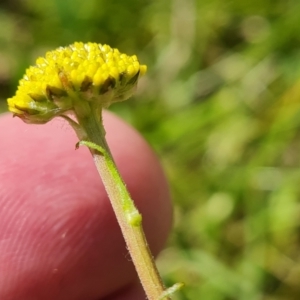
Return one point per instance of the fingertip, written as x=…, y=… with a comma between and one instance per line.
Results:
x=55, y=214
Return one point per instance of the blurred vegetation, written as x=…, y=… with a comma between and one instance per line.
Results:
x=221, y=106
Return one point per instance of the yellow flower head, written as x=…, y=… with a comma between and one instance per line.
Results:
x=70, y=77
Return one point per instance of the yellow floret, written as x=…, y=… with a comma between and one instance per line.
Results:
x=79, y=72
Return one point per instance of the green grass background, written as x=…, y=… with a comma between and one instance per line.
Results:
x=221, y=106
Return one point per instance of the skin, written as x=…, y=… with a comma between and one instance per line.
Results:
x=59, y=238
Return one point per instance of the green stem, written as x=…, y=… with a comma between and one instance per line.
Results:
x=127, y=214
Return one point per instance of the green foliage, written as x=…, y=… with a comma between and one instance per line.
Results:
x=221, y=105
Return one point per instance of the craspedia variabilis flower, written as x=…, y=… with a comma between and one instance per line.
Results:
x=68, y=77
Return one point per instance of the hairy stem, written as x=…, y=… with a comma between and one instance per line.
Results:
x=127, y=214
